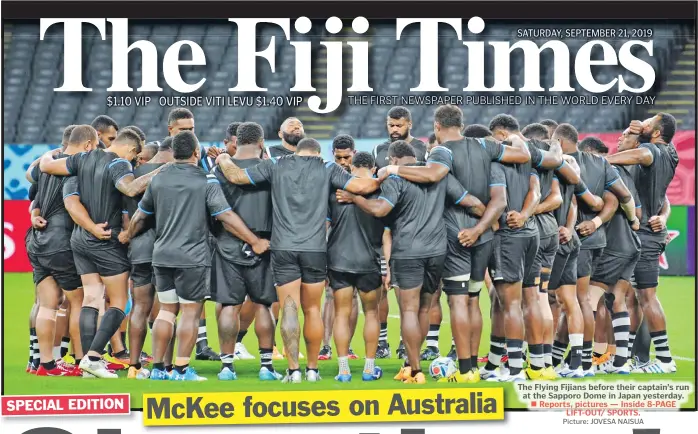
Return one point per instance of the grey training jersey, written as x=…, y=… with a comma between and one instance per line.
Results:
x=98, y=172
x=300, y=186
x=653, y=181
x=355, y=238
x=621, y=240
x=55, y=237
x=380, y=152
x=517, y=179
x=141, y=247
x=598, y=175
x=469, y=160
x=183, y=198
x=547, y=226
x=252, y=204
x=278, y=151
x=416, y=223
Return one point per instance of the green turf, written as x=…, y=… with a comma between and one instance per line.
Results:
x=676, y=293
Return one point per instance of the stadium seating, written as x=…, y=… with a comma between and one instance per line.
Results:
x=34, y=113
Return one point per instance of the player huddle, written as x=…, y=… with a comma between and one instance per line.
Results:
x=565, y=239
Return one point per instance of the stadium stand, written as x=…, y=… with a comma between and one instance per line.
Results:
x=34, y=113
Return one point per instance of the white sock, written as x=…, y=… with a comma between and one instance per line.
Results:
x=57, y=353
x=344, y=365
x=370, y=365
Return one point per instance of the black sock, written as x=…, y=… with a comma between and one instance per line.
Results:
x=643, y=341
x=34, y=348
x=229, y=366
x=88, y=326
x=241, y=335
x=110, y=324
x=181, y=369
x=473, y=361
x=536, y=357
x=587, y=347
x=94, y=358
x=201, y=339
x=515, y=353
x=65, y=346
x=265, y=357
x=120, y=354
x=596, y=355
x=137, y=365
x=50, y=365
x=548, y=352
x=291, y=371
x=415, y=372
x=159, y=365
x=123, y=341
x=150, y=325
x=383, y=337
x=312, y=369
x=169, y=368
x=464, y=366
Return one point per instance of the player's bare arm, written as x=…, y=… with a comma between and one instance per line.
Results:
x=552, y=201
x=232, y=172
x=565, y=232
x=552, y=159
x=569, y=170
x=38, y=222
x=494, y=209
x=362, y=185
x=517, y=152
x=631, y=157
x=430, y=173
x=53, y=167
x=594, y=202
x=620, y=190
x=610, y=205
x=130, y=186
x=517, y=220
x=387, y=247
x=658, y=222
x=81, y=218
x=375, y=207
x=473, y=205
x=136, y=225
x=234, y=224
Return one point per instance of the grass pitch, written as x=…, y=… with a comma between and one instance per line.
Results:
x=676, y=293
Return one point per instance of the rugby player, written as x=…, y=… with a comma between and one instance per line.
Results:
x=343, y=150
x=103, y=176
x=52, y=260
x=300, y=186
x=551, y=125
x=181, y=258
x=181, y=119
x=291, y=132
x=399, y=125
x=418, y=248
x=353, y=260
x=469, y=160
x=106, y=128
x=516, y=252
x=598, y=177
x=237, y=272
x=614, y=272
x=656, y=161
x=148, y=152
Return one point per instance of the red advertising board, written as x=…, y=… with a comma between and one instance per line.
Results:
x=16, y=223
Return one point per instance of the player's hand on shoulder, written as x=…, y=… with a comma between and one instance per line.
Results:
x=221, y=157
x=39, y=223
x=214, y=151
x=344, y=196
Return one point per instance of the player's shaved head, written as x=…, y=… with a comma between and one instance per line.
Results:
x=138, y=131
x=566, y=133
x=129, y=137
x=593, y=145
